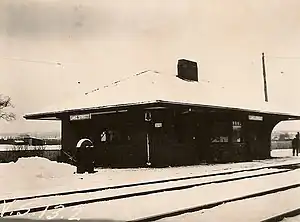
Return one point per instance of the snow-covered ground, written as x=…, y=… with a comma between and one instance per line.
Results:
x=282, y=153
x=292, y=219
x=46, y=201
x=29, y=176
x=250, y=210
x=35, y=175
x=254, y=209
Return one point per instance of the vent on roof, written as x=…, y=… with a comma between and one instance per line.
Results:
x=187, y=70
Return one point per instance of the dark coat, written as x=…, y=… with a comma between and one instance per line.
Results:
x=295, y=143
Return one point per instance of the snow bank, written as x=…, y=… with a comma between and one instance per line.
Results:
x=33, y=173
x=41, y=167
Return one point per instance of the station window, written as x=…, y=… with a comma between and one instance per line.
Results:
x=237, y=132
x=220, y=132
x=103, y=136
x=113, y=136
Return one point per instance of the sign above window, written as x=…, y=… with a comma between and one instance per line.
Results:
x=80, y=117
x=158, y=125
x=255, y=118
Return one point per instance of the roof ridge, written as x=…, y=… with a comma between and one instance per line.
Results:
x=122, y=80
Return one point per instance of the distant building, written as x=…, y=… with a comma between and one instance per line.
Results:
x=23, y=140
x=6, y=140
x=30, y=141
x=283, y=136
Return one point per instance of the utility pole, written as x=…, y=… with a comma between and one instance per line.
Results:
x=265, y=77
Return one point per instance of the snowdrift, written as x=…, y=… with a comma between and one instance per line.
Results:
x=32, y=167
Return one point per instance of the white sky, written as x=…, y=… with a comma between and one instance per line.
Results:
x=98, y=41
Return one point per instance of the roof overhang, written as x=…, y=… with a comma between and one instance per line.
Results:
x=288, y=116
x=158, y=104
x=57, y=115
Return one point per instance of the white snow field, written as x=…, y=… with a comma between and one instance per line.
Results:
x=149, y=205
x=282, y=153
x=125, y=190
x=255, y=209
x=35, y=175
x=39, y=175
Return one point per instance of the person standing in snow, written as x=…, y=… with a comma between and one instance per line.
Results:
x=295, y=145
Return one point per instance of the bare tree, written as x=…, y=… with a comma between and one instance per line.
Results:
x=5, y=102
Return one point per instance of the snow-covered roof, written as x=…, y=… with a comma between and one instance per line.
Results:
x=154, y=87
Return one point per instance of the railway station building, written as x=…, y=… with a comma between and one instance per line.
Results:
x=154, y=119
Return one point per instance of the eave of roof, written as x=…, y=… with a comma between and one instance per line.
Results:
x=55, y=115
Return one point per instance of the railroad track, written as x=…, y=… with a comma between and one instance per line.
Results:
x=218, y=203
x=146, y=188
x=282, y=216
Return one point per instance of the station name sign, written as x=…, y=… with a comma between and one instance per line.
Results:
x=255, y=118
x=80, y=117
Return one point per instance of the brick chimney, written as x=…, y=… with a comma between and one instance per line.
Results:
x=187, y=70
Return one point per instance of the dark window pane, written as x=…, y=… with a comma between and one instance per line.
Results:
x=220, y=132
x=237, y=132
